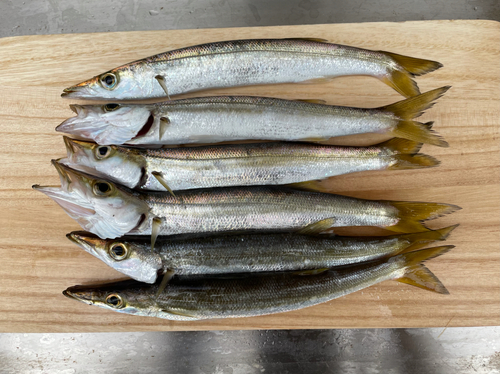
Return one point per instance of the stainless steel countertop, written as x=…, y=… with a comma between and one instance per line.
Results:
x=384, y=351
x=452, y=350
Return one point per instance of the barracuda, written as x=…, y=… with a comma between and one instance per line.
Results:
x=258, y=252
x=188, y=298
x=169, y=169
x=231, y=118
x=250, y=62
x=110, y=210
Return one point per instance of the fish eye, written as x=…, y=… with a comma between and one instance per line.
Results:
x=111, y=107
x=114, y=300
x=108, y=81
x=102, y=152
x=118, y=251
x=102, y=188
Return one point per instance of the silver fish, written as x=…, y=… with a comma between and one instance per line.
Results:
x=230, y=118
x=250, y=62
x=259, y=252
x=168, y=169
x=110, y=210
x=188, y=298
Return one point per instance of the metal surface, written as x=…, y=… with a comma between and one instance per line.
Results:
x=385, y=351
x=453, y=350
x=68, y=16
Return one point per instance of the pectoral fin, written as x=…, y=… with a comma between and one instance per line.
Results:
x=166, y=278
x=317, y=227
x=164, y=123
x=155, y=230
x=163, y=84
x=163, y=182
x=181, y=313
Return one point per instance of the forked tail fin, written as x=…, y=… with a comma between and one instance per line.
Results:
x=412, y=214
x=423, y=239
x=416, y=274
x=418, y=161
x=407, y=110
x=405, y=154
x=400, y=78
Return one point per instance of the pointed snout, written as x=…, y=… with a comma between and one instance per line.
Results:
x=85, y=240
x=77, y=293
x=74, y=146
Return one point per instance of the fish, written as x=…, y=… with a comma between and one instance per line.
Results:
x=171, y=169
x=110, y=210
x=244, y=253
x=190, y=298
x=231, y=118
x=250, y=62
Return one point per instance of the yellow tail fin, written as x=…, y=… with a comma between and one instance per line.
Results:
x=402, y=146
x=400, y=78
x=407, y=110
x=414, y=66
x=411, y=214
x=418, y=132
x=423, y=239
x=417, y=274
x=417, y=161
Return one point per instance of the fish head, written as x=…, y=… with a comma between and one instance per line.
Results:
x=98, y=205
x=131, y=81
x=130, y=297
x=110, y=123
x=128, y=257
x=120, y=164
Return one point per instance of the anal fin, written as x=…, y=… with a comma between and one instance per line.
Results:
x=310, y=272
x=312, y=101
x=317, y=227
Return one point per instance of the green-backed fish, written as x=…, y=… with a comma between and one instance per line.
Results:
x=258, y=252
x=110, y=211
x=188, y=298
x=250, y=62
x=231, y=118
x=167, y=169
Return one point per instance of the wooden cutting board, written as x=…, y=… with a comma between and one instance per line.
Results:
x=37, y=262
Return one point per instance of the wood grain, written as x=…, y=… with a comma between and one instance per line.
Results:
x=37, y=262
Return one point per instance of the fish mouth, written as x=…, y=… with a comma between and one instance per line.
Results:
x=77, y=109
x=67, y=92
x=85, y=240
x=73, y=147
x=65, y=201
x=72, y=293
x=66, y=196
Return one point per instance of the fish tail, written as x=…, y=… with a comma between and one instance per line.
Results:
x=401, y=146
x=423, y=239
x=313, y=186
x=416, y=274
x=418, y=132
x=407, y=110
x=412, y=214
x=406, y=156
x=400, y=77
x=417, y=161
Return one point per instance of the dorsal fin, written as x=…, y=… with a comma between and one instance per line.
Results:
x=317, y=40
